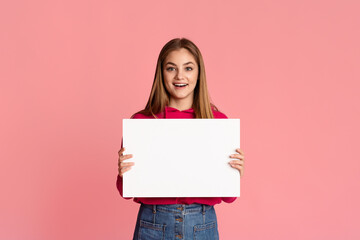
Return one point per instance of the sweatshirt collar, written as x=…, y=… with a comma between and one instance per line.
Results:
x=171, y=109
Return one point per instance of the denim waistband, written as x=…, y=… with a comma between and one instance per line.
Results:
x=179, y=208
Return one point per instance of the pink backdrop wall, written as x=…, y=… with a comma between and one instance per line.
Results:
x=70, y=72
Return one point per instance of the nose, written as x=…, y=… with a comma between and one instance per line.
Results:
x=179, y=74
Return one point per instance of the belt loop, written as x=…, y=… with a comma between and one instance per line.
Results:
x=154, y=213
x=203, y=212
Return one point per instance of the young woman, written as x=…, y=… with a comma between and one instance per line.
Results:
x=179, y=91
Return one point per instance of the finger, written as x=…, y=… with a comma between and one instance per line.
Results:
x=240, y=151
x=240, y=168
x=124, y=170
x=120, y=152
x=237, y=156
x=124, y=157
x=237, y=162
x=126, y=164
x=120, y=171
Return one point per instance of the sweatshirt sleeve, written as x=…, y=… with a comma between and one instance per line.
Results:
x=228, y=199
x=119, y=181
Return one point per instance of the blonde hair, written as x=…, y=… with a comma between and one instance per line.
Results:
x=159, y=97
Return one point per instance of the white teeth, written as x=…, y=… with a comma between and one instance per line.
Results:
x=180, y=85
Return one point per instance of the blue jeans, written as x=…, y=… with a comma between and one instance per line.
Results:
x=176, y=221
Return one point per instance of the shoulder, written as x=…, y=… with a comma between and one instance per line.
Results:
x=218, y=114
x=140, y=115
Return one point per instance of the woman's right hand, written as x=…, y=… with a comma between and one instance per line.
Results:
x=124, y=166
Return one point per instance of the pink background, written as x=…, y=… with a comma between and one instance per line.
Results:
x=72, y=70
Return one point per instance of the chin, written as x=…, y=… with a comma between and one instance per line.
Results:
x=179, y=97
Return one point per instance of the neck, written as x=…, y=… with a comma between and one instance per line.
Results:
x=180, y=104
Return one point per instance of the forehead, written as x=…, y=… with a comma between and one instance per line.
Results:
x=180, y=55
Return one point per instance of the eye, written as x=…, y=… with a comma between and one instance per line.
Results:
x=170, y=68
x=190, y=68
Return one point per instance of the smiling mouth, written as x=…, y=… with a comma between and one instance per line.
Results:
x=180, y=85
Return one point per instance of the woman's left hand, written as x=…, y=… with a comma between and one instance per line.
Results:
x=239, y=163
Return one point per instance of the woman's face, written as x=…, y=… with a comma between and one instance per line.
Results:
x=180, y=72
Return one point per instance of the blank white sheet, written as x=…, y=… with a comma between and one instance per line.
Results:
x=181, y=157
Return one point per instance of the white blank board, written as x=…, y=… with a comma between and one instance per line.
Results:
x=181, y=157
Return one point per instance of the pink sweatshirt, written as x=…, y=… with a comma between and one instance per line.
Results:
x=175, y=113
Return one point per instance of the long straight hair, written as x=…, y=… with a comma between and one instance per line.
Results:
x=160, y=97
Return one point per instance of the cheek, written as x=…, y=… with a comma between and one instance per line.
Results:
x=168, y=85
x=166, y=79
x=194, y=78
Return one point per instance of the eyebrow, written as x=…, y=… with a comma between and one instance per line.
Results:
x=175, y=64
